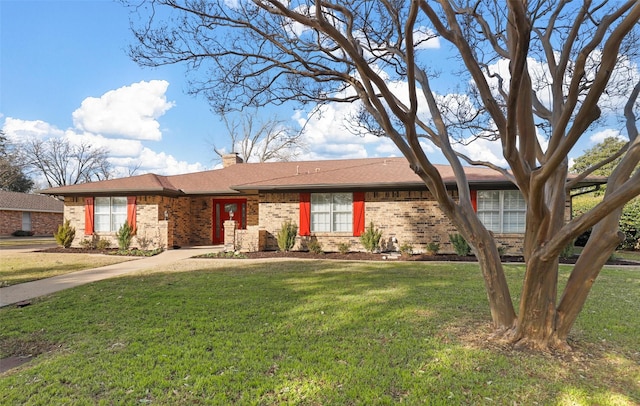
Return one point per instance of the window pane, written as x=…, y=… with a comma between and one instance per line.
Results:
x=102, y=214
x=514, y=222
x=320, y=222
x=101, y=223
x=488, y=200
x=491, y=220
x=118, y=212
x=342, y=222
x=117, y=220
x=513, y=200
x=102, y=205
x=342, y=202
x=321, y=202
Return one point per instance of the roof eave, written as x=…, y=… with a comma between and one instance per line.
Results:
x=114, y=192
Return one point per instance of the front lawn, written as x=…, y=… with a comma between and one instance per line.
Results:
x=311, y=333
x=24, y=267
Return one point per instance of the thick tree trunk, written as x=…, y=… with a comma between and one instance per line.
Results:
x=536, y=317
x=500, y=304
x=605, y=237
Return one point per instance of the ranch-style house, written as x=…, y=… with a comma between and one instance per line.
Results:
x=243, y=205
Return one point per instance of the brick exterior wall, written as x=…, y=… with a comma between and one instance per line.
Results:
x=189, y=220
x=42, y=223
x=404, y=217
x=410, y=217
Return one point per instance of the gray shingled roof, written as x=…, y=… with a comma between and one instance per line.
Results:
x=29, y=202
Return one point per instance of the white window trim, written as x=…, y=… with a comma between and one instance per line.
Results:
x=112, y=226
x=332, y=214
x=501, y=211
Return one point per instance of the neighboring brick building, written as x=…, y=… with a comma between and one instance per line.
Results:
x=38, y=214
x=331, y=201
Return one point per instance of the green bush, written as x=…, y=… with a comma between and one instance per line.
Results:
x=22, y=233
x=406, y=249
x=344, y=248
x=124, y=236
x=630, y=225
x=103, y=244
x=314, y=246
x=433, y=248
x=65, y=234
x=460, y=245
x=370, y=239
x=629, y=220
x=287, y=236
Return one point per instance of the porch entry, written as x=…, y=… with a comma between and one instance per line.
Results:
x=227, y=209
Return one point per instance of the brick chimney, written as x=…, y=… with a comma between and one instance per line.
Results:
x=231, y=159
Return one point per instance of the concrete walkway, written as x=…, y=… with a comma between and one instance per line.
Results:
x=26, y=291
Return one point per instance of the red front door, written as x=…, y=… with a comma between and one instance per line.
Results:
x=227, y=209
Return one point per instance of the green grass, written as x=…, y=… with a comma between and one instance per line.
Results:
x=22, y=267
x=311, y=333
x=21, y=241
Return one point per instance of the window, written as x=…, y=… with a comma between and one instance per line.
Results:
x=26, y=221
x=331, y=212
x=502, y=211
x=110, y=213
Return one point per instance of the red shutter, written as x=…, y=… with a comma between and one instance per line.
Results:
x=474, y=199
x=358, y=214
x=131, y=212
x=305, y=214
x=88, y=216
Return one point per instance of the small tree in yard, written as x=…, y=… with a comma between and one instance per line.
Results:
x=124, y=236
x=371, y=237
x=287, y=236
x=65, y=234
x=534, y=76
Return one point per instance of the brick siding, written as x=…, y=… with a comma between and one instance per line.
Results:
x=42, y=223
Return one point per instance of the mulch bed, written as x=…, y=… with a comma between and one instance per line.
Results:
x=350, y=256
x=366, y=256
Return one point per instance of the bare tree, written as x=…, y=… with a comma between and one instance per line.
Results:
x=62, y=163
x=12, y=168
x=264, y=141
x=550, y=67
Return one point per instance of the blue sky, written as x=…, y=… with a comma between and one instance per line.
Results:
x=64, y=71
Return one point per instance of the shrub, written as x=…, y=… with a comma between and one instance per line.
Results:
x=344, y=247
x=124, y=236
x=460, y=245
x=568, y=251
x=103, y=244
x=433, y=248
x=406, y=249
x=22, y=233
x=287, y=236
x=314, y=246
x=89, y=244
x=65, y=234
x=629, y=220
x=370, y=239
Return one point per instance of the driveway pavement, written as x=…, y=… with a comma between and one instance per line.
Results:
x=24, y=292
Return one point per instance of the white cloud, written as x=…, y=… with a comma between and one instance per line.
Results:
x=130, y=111
x=431, y=41
x=604, y=134
x=116, y=147
x=23, y=130
x=483, y=150
x=164, y=164
x=111, y=122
